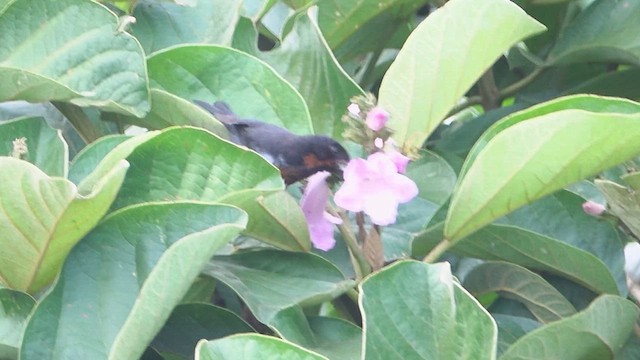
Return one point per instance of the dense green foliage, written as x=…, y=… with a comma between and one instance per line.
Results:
x=175, y=243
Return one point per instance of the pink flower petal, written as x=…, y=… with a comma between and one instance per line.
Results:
x=399, y=160
x=375, y=187
x=593, y=208
x=382, y=209
x=313, y=204
x=377, y=118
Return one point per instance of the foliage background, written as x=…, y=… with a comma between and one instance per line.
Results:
x=124, y=247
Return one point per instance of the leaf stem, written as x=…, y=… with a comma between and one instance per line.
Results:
x=437, y=251
x=503, y=94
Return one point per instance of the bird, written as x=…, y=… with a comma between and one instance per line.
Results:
x=296, y=156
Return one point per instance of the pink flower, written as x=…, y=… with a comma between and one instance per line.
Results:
x=593, y=208
x=313, y=203
x=375, y=187
x=354, y=109
x=377, y=118
x=399, y=160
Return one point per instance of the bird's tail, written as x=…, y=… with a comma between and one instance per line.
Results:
x=220, y=109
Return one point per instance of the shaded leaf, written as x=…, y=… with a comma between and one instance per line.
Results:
x=15, y=308
x=605, y=31
x=273, y=284
x=598, y=332
x=46, y=148
x=561, y=217
x=515, y=282
x=162, y=24
x=189, y=323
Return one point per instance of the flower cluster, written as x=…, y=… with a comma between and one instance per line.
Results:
x=375, y=185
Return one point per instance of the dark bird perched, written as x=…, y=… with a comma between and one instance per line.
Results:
x=297, y=157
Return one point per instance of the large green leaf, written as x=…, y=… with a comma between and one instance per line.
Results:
x=527, y=156
x=15, y=308
x=162, y=24
x=528, y=249
x=606, y=31
x=189, y=323
x=42, y=218
x=250, y=346
x=193, y=164
x=561, y=217
x=595, y=333
x=119, y=285
x=443, y=58
x=70, y=50
x=208, y=73
x=513, y=281
x=413, y=310
x=46, y=148
x=274, y=283
x=306, y=61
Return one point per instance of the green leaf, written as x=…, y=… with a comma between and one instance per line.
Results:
x=191, y=322
x=88, y=159
x=515, y=282
x=535, y=152
x=560, y=216
x=538, y=252
x=275, y=219
x=15, y=308
x=47, y=150
x=442, y=59
x=42, y=218
x=250, y=86
x=413, y=310
x=511, y=328
x=355, y=27
x=252, y=346
x=623, y=203
x=273, y=283
x=193, y=164
x=86, y=60
x=171, y=110
x=595, y=333
x=606, y=31
x=162, y=24
x=335, y=338
x=119, y=285
x=306, y=61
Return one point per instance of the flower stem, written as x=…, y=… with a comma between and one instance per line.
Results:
x=437, y=251
x=360, y=264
